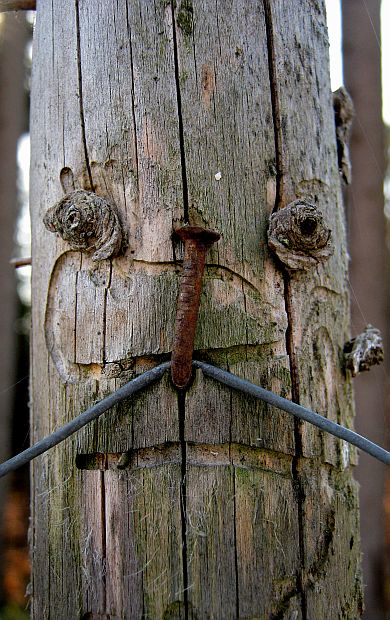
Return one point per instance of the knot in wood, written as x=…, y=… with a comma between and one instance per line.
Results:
x=88, y=222
x=364, y=351
x=299, y=237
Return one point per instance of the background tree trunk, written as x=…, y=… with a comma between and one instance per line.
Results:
x=13, y=36
x=367, y=233
x=227, y=508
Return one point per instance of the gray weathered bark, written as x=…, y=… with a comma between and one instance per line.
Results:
x=227, y=508
x=366, y=223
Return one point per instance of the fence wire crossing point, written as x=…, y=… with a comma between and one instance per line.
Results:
x=222, y=376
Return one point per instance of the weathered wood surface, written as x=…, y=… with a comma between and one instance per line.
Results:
x=225, y=508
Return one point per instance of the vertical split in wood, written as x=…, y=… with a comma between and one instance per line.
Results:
x=281, y=201
x=294, y=168
x=181, y=409
x=280, y=163
x=80, y=96
x=186, y=215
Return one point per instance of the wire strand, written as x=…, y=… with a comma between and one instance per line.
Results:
x=296, y=410
x=127, y=390
x=222, y=376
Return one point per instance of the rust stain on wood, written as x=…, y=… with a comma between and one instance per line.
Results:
x=208, y=84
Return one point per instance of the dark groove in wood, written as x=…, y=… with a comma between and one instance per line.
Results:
x=299, y=490
x=181, y=405
x=295, y=385
x=280, y=200
x=186, y=215
x=105, y=313
x=197, y=454
x=132, y=93
x=276, y=114
x=235, y=543
x=280, y=203
x=80, y=80
x=104, y=537
x=75, y=315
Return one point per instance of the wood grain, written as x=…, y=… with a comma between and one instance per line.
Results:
x=223, y=505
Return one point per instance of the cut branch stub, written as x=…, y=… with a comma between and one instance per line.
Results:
x=88, y=222
x=298, y=236
x=364, y=351
x=343, y=115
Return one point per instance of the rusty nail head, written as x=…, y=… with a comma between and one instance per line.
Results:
x=196, y=241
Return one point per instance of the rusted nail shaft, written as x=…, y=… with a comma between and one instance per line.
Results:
x=196, y=243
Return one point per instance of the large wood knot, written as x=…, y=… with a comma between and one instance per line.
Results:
x=364, y=351
x=299, y=237
x=88, y=222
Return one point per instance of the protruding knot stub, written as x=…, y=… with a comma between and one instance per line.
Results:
x=343, y=116
x=196, y=243
x=364, y=351
x=299, y=237
x=88, y=222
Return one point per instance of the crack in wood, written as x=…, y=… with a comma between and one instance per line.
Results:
x=103, y=508
x=80, y=80
x=298, y=425
x=181, y=407
x=236, y=568
x=133, y=96
x=276, y=113
x=180, y=119
x=280, y=201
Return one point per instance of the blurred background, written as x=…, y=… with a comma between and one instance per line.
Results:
x=360, y=59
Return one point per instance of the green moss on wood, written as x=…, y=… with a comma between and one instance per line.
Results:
x=183, y=77
x=185, y=17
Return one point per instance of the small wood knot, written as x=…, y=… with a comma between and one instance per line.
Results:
x=88, y=222
x=298, y=236
x=364, y=351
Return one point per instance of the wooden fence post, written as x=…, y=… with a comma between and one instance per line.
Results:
x=203, y=505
